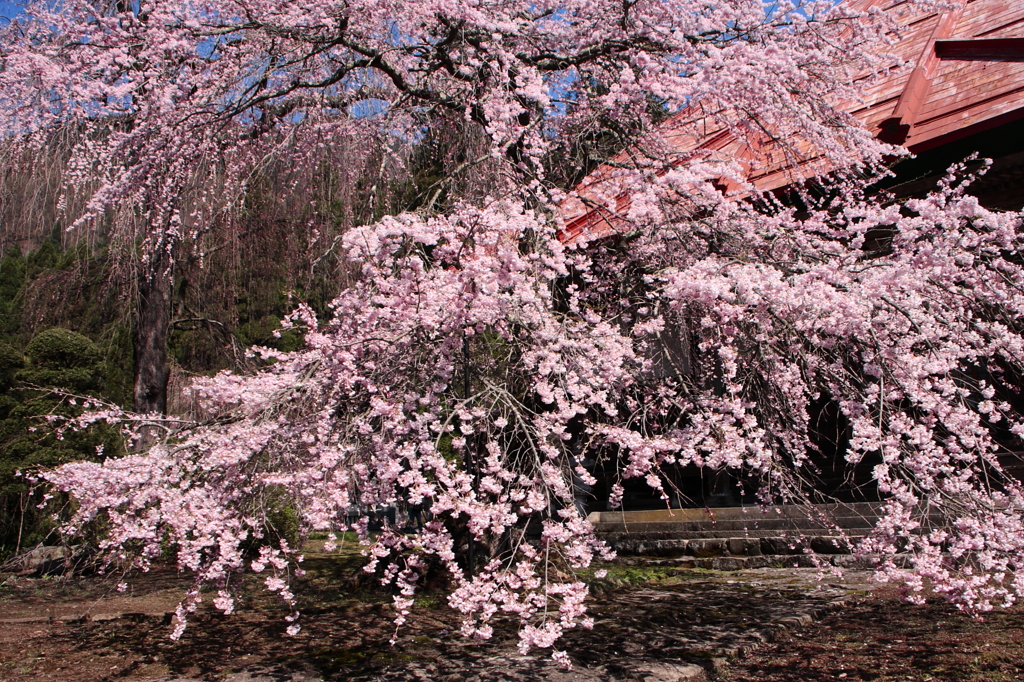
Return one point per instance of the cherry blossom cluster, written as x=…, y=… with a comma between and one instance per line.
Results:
x=906, y=317
x=478, y=361
x=920, y=353
x=373, y=412
x=156, y=98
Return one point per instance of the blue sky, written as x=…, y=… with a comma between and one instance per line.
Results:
x=8, y=9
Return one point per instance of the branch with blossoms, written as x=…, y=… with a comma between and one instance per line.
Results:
x=478, y=361
x=917, y=346
x=162, y=93
x=373, y=412
x=919, y=349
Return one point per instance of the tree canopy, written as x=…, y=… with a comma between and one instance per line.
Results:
x=477, y=363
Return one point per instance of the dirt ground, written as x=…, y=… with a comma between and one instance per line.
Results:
x=884, y=640
x=84, y=631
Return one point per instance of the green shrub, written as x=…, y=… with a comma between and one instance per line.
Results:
x=55, y=359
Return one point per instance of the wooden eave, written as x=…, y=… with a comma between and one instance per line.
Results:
x=964, y=75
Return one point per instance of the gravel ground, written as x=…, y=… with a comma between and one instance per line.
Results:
x=667, y=625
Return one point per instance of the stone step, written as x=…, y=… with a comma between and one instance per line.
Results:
x=723, y=547
x=856, y=511
x=742, y=520
x=735, y=525
x=739, y=563
x=738, y=531
x=618, y=534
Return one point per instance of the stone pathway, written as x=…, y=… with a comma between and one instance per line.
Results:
x=684, y=630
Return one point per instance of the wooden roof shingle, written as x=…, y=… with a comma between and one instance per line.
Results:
x=965, y=75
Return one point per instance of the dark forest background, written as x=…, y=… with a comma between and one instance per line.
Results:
x=68, y=295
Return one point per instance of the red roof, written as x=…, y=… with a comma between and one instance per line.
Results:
x=966, y=75
x=969, y=72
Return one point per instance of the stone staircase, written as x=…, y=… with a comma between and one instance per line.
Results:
x=730, y=538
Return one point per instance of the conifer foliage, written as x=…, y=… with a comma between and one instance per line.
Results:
x=479, y=363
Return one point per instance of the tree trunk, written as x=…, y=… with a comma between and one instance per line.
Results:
x=151, y=327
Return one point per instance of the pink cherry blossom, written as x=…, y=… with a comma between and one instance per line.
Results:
x=478, y=361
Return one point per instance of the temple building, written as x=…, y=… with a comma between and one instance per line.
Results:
x=959, y=95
